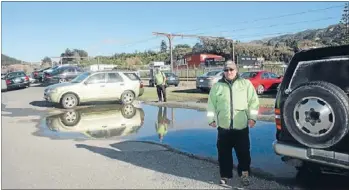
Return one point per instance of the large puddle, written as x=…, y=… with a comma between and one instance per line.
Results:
x=183, y=129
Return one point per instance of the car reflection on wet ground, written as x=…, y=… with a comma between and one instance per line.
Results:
x=183, y=129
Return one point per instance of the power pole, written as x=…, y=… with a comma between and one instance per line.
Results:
x=170, y=37
x=233, y=51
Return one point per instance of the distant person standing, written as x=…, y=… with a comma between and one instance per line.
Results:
x=160, y=82
x=233, y=108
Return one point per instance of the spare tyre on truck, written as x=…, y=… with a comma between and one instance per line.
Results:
x=312, y=108
x=317, y=114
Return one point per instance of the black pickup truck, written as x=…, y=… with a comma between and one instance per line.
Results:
x=312, y=110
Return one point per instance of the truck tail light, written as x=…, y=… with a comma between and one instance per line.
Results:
x=141, y=85
x=278, y=118
x=26, y=78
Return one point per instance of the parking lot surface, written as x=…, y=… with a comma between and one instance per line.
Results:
x=37, y=158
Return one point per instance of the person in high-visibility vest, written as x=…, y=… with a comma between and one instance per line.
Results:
x=160, y=82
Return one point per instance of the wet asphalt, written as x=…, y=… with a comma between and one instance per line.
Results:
x=184, y=130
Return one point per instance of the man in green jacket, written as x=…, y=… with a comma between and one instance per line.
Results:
x=160, y=82
x=233, y=108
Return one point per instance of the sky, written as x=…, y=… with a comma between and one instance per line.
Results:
x=33, y=30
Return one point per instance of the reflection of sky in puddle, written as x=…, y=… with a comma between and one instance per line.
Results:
x=192, y=134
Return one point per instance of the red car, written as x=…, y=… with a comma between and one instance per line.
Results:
x=263, y=80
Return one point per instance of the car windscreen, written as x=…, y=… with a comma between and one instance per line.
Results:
x=80, y=77
x=211, y=73
x=132, y=76
x=248, y=75
x=57, y=71
x=15, y=74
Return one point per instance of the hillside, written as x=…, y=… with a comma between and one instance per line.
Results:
x=328, y=36
x=275, y=49
x=7, y=60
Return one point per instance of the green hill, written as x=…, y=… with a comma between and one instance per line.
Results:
x=7, y=60
x=329, y=36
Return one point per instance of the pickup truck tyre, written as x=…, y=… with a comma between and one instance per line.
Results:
x=317, y=114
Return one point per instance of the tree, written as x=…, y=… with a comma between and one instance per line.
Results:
x=46, y=60
x=181, y=50
x=198, y=48
x=277, y=45
x=163, y=46
x=68, y=55
x=345, y=22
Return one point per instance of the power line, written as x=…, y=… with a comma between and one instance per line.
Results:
x=137, y=42
x=267, y=18
x=274, y=25
x=243, y=22
x=290, y=23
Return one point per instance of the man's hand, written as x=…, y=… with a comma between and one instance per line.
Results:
x=213, y=124
x=251, y=123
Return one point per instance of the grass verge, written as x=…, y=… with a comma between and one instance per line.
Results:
x=193, y=95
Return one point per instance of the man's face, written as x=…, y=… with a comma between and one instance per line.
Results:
x=230, y=73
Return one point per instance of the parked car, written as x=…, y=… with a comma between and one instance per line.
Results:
x=207, y=80
x=171, y=79
x=263, y=81
x=62, y=74
x=95, y=86
x=3, y=85
x=16, y=80
x=39, y=75
x=98, y=122
x=312, y=110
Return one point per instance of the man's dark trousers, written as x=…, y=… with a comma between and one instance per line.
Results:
x=240, y=141
x=161, y=90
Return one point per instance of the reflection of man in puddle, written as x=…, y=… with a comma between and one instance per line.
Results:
x=162, y=123
x=233, y=108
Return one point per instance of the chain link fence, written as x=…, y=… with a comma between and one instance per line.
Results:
x=191, y=73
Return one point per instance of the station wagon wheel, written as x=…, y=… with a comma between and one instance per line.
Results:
x=260, y=89
x=69, y=101
x=128, y=111
x=127, y=97
x=70, y=118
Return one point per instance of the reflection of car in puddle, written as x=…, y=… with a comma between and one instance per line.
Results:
x=266, y=111
x=99, y=122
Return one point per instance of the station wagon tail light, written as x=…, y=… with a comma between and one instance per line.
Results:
x=26, y=78
x=8, y=82
x=278, y=118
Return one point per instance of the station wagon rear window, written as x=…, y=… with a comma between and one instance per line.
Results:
x=132, y=76
x=16, y=74
x=333, y=70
